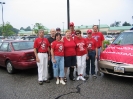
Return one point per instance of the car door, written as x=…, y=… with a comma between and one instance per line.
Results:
x=3, y=52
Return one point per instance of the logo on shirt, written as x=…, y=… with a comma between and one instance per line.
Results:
x=80, y=45
x=89, y=46
x=96, y=37
x=43, y=45
x=60, y=48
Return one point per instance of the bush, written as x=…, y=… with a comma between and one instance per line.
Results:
x=106, y=43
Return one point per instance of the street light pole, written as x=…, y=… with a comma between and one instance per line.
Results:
x=2, y=14
x=132, y=18
x=63, y=27
x=99, y=25
x=68, y=14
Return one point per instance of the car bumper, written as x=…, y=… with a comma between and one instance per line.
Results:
x=24, y=65
x=108, y=68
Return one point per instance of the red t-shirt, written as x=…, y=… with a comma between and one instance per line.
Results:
x=58, y=48
x=69, y=47
x=80, y=46
x=91, y=43
x=41, y=44
x=98, y=36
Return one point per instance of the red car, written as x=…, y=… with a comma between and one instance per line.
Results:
x=16, y=54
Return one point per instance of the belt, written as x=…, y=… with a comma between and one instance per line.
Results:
x=99, y=47
x=42, y=52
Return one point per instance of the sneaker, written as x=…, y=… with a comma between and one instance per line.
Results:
x=62, y=82
x=98, y=73
x=82, y=78
x=78, y=77
x=57, y=81
x=86, y=76
x=94, y=76
x=40, y=82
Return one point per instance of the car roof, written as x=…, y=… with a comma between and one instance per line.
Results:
x=128, y=31
x=15, y=40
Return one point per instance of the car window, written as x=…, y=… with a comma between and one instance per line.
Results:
x=9, y=48
x=124, y=38
x=0, y=43
x=4, y=47
x=22, y=45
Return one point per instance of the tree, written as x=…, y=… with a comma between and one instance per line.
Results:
x=6, y=30
x=126, y=24
x=22, y=28
x=115, y=24
x=38, y=26
x=15, y=30
x=28, y=28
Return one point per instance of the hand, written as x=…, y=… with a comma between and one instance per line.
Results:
x=48, y=57
x=96, y=56
x=87, y=57
x=53, y=60
x=37, y=60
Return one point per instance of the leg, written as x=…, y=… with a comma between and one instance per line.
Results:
x=93, y=62
x=99, y=52
x=79, y=65
x=61, y=67
x=50, y=69
x=88, y=65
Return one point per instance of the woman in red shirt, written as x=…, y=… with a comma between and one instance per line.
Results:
x=92, y=54
x=80, y=54
x=70, y=54
x=57, y=52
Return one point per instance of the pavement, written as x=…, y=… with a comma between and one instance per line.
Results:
x=24, y=85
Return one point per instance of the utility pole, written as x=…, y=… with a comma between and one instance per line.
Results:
x=68, y=14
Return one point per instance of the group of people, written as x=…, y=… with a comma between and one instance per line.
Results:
x=71, y=51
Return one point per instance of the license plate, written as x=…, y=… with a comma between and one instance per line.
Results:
x=119, y=69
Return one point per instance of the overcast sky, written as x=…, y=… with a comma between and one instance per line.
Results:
x=51, y=13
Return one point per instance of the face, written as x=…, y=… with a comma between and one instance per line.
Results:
x=68, y=34
x=58, y=38
x=41, y=33
x=95, y=28
x=78, y=34
x=89, y=35
x=71, y=28
x=53, y=32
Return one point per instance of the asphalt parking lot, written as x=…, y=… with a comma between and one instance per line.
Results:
x=24, y=85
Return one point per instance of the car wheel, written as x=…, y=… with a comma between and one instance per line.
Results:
x=9, y=67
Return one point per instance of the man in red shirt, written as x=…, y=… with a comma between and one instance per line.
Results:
x=92, y=54
x=41, y=49
x=98, y=36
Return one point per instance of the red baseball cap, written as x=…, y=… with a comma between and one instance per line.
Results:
x=89, y=31
x=71, y=24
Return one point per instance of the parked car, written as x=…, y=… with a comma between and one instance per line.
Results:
x=30, y=38
x=109, y=38
x=117, y=58
x=17, y=54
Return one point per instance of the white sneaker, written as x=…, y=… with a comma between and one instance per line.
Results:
x=82, y=78
x=78, y=77
x=57, y=81
x=62, y=82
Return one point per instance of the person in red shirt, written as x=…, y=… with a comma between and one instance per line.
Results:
x=69, y=54
x=80, y=54
x=41, y=49
x=92, y=54
x=57, y=52
x=98, y=36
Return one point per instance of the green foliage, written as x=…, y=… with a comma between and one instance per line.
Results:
x=6, y=30
x=126, y=24
x=106, y=43
x=38, y=26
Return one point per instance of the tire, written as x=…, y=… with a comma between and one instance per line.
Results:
x=10, y=69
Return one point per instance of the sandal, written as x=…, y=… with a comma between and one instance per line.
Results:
x=65, y=79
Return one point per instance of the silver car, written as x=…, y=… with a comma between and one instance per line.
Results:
x=117, y=58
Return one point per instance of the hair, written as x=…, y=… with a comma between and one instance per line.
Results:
x=57, y=34
x=78, y=31
x=96, y=26
x=67, y=31
x=40, y=30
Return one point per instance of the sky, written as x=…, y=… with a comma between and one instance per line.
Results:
x=53, y=13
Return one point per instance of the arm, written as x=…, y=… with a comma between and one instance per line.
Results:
x=96, y=52
x=36, y=55
x=102, y=47
x=52, y=54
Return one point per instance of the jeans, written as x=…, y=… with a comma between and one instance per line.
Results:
x=91, y=60
x=59, y=66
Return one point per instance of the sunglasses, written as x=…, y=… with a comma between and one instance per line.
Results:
x=78, y=33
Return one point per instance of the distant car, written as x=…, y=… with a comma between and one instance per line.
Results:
x=17, y=54
x=117, y=58
x=30, y=38
x=47, y=35
x=109, y=38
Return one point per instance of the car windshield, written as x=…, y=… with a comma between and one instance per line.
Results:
x=124, y=38
x=22, y=45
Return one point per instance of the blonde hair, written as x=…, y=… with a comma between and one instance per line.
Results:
x=67, y=31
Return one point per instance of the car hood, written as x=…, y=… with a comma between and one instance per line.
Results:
x=118, y=53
